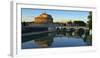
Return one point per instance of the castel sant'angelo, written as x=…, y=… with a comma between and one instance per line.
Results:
x=44, y=18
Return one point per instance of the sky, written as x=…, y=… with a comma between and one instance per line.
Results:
x=28, y=14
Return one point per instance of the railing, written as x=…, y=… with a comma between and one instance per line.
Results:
x=75, y=27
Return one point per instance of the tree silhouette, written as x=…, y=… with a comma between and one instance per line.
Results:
x=90, y=20
x=79, y=23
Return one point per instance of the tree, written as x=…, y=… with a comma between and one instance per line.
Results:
x=79, y=23
x=90, y=20
x=24, y=23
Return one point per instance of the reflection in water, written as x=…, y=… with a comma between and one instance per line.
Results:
x=44, y=42
x=57, y=39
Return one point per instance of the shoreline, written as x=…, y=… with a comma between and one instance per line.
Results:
x=32, y=33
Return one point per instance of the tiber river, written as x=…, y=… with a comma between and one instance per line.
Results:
x=54, y=39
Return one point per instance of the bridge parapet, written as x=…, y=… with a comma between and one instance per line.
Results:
x=75, y=27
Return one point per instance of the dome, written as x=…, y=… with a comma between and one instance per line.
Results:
x=44, y=15
x=44, y=18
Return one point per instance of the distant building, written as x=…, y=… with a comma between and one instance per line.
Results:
x=43, y=18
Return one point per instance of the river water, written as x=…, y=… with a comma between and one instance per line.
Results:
x=53, y=40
